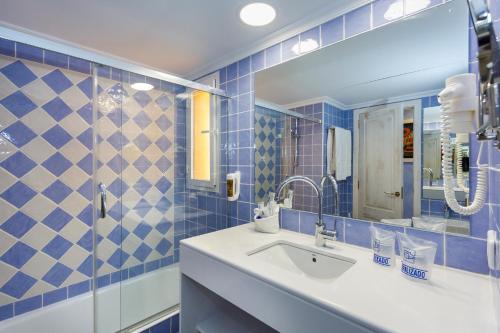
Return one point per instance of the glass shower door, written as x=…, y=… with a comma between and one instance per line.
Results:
x=137, y=281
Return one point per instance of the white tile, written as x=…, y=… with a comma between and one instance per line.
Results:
x=38, y=179
x=39, y=150
x=38, y=288
x=39, y=121
x=74, y=124
x=105, y=127
x=74, y=177
x=74, y=151
x=74, y=98
x=6, y=87
x=39, y=207
x=105, y=152
x=74, y=230
x=6, y=241
x=131, y=220
x=74, y=203
x=6, y=117
x=39, y=69
x=74, y=77
x=74, y=277
x=39, y=236
x=6, y=180
x=6, y=148
x=74, y=257
x=38, y=265
x=39, y=92
x=6, y=299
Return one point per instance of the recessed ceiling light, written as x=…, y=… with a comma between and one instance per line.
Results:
x=257, y=14
x=305, y=46
x=142, y=86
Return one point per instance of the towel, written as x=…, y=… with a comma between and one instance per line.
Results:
x=339, y=151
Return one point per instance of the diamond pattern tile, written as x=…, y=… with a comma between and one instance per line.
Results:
x=18, y=255
x=18, y=194
x=57, y=109
x=18, y=104
x=57, y=219
x=18, y=73
x=18, y=285
x=57, y=81
x=50, y=122
x=57, y=136
x=57, y=191
x=57, y=164
x=18, y=224
x=18, y=164
x=18, y=133
x=57, y=274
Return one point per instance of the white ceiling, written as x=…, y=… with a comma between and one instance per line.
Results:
x=404, y=58
x=185, y=37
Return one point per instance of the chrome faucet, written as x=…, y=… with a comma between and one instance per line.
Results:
x=335, y=189
x=321, y=233
x=431, y=175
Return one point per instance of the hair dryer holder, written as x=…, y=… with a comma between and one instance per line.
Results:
x=489, y=72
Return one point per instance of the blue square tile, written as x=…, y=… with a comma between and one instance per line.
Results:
x=57, y=109
x=18, y=164
x=18, y=104
x=86, y=241
x=273, y=55
x=18, y=194
x=244, y=84
x=258, y=61
x=18, y=285
x=55, y=296
x=7, y=47
x=142, y=252
x=57, y=136
x=57, y=247
x=152, y=265
x=7, y=310
x=244, y=67
x=308, y=222
x=57, y=81
x=222, y=76
x=162, y=327
x=136, y=270
x=57, y=219
x=433, y=237
x=232, y=71
x=18, y=255
x=332, y=31
x=57, y=274
x=56, y=59
x=466, y=253
x=27, y=305
x=29, y=52
x=103, y=281
x=57, y=164
x=290, y=219
x=57, y=191
x=357, y=21
x=357, y=232
x=18, y=134
x=18, y=73
x=18, y=224
x=80, y=65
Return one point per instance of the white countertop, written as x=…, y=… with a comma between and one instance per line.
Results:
x=376, y=296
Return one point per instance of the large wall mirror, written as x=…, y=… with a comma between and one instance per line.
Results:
x=365, y=110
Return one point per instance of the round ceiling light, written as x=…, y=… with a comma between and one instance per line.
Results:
x=257, y=14
x=142, y=86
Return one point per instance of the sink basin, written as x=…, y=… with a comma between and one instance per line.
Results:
x=303, y=261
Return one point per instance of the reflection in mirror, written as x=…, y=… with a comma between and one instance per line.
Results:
x=371, y=119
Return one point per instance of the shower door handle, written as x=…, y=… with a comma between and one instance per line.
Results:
x=102, y=191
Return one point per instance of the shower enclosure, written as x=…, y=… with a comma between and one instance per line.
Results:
x=94, y=198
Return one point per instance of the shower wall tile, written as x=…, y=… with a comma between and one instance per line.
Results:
x=46, y=192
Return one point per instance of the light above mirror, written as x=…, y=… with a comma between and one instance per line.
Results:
x=257, y=14
x=142, y=86
x=305, y=46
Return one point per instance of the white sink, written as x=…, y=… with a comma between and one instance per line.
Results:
x=303, y=261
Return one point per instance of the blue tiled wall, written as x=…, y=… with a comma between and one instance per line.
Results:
x=47, y=169
x=236, y=77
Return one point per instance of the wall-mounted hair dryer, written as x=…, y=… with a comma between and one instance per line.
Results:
x=459, y=104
